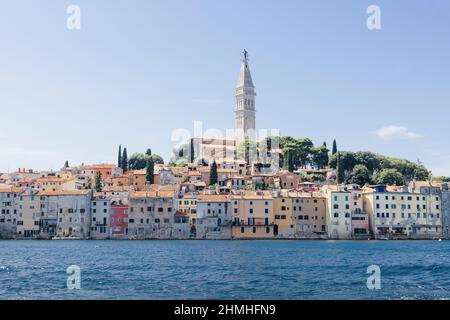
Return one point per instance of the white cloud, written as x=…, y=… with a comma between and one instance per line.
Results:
x=395, y=132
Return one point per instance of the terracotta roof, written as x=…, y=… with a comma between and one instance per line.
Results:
x=9, y=189
x=64, y=193
x=97, y=166
x=213, y=198
x=51, y=179
x=152, y=194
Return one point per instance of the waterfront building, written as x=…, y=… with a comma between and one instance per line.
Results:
x=253, y=215
x=8, y=212
x=338, y=211
x=118, y=220
x=283, y=217
x=28, y=214
x=100, y=214
x=395, y=212
x=164, y=208
x=188, y=204
x=309, y=212
x=73, y=212
x=360, y=226
x=445, y=210
x=140, y=211
x=213, y=217
x=151, y=214
x=181, y=226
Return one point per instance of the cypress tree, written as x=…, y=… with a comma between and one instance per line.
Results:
x=66, y=164
x=98, y=182
x=290, y=162
x=340, y=170
x=124, y=160
x=150, y=178
x=119, y=158
x=213, y=174
x=148, y=152
x=191, y=153
x=334, y=150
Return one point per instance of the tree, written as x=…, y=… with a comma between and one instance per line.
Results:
x=441, y=179
x=124, y=160
x=334, y=149
x=98, y=182
x=157, y=159
x=303, y=152
x=421, y=173
x=138, y=161
x=213, y=173
x=119, y=157
x=390, y=177
x=148, y=152
x=66, y=164
x=247, y=151
x=191, y=151
x=149, y=177
x=340, y=176
x=289, y=165
x=314, y=178
x=320, y=156
x=360, y=175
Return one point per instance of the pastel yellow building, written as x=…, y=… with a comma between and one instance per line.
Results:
x=50, y=184
x=283, y=217
x=28, y=214
x=253, y=215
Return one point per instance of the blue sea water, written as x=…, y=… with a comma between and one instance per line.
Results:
x=224, y=269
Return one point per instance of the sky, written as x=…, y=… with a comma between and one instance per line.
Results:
x=136, y=71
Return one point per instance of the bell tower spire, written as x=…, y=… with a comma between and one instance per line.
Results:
x=245, y=103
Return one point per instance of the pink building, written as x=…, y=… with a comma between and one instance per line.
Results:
x=360, y=223
x=118, y=220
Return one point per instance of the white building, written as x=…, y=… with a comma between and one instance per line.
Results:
x=8, y=212
x=213, y=217
x=100, y=211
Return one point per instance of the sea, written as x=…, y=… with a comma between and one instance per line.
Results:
x=229, y=269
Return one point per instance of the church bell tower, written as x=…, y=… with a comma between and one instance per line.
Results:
x=245, y=103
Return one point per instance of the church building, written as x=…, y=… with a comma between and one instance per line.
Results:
x=225, y=149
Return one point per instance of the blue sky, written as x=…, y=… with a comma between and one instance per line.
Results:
x=137, y=70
